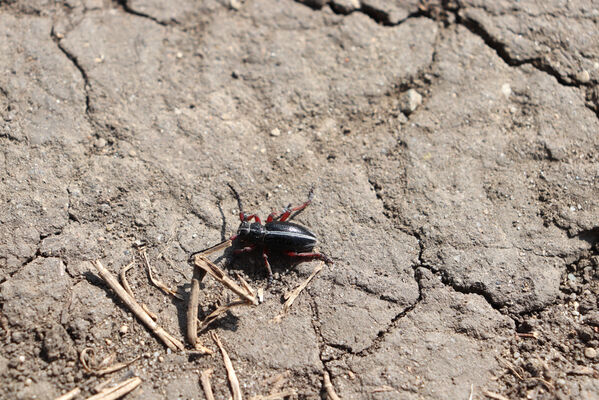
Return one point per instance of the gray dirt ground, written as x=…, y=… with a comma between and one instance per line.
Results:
x=464, y=224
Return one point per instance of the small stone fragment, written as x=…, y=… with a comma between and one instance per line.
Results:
x=346, y=6
x=100, y=143
x=506, y=89
x=409, y=101
x=590, y=352
x=583, y=76
x=275, y=132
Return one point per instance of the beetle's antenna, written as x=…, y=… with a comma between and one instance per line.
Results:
x=236, y=195
x=223, y=228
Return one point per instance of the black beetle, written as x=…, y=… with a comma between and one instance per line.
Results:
x=278, y=235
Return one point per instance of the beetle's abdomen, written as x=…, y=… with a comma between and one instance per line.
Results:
x=287, y=236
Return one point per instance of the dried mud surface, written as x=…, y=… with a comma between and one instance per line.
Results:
x=463, y=223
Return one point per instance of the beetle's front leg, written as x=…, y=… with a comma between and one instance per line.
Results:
x=244, y=217
x=288, y=210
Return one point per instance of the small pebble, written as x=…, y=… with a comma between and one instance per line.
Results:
x=506, y=89
x=101, y=142
x=275, y=132
x=124, y=329
x=583, y=76
x=590, y=352
x=409, y=101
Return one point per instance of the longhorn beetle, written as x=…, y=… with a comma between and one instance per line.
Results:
x=276, y=235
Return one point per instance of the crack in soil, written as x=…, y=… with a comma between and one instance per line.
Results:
x=125, y=7
x=440, y=12
x=75, y=61
x=376, y=14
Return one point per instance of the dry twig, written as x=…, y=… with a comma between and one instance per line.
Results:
x=291, y=296
x=216, y=313
x=328, y=386
x=382, y=389
x=123, y=276
x=117, y=391
x=495, y=396
x=275, y=396
x=206, y=385
x=134, y=306
x=192, y=313
x=213, y=270
x=233, y=381
x=106, y=366
x=156, y=282
x=215, y=248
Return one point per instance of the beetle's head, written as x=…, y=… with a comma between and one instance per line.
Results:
x=243, y=232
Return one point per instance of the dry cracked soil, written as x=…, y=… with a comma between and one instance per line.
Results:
x=453, y=151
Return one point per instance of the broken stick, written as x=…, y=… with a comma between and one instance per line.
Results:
x=291, y=296
x=246, y=293
x=233, y=381
x=171, y=342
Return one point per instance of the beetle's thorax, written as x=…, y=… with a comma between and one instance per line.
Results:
x=251, y=232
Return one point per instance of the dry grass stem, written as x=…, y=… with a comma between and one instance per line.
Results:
x=275, y=396
x=495, y=396
x=192, y=308
x=206, y=265
x=382, y=389
x=149, y=312
x=584, y=370
x=292, y=295
x=171, y=342
x=233, y=381
x=215, y=248
x=511, y=368
x=534, y=335
x=546, y=383
x=206, y=385
x=328, y=386
x=106, y=366
x=260, y=295
x=216, y=313
x=126, y=286
x=117, y=391
x=471, y=392
x=156, y=282
x=245, y=285
x=69, y=395
x=124, y=278
x=275, y=391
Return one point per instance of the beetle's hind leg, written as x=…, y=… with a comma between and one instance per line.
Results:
x=283, y=216
x=309, y=256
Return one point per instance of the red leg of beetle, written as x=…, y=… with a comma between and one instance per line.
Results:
x=244, y=250
x=267, y=265
x=310, y=256
x=287, y=211
x=243, y=217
